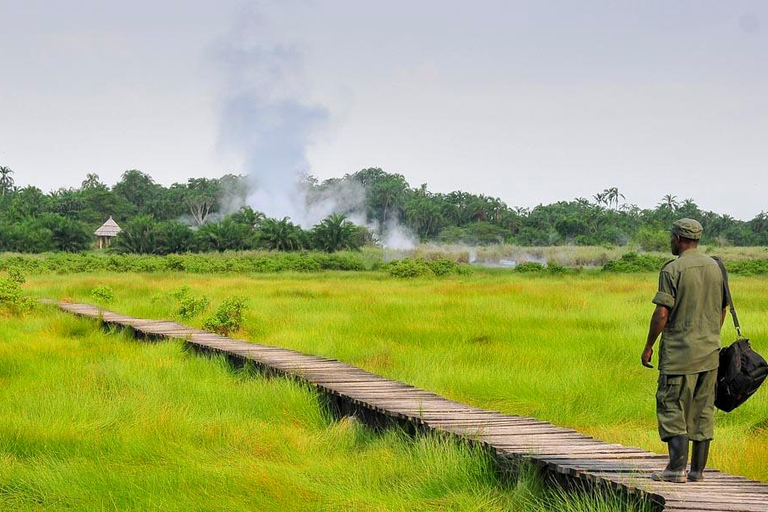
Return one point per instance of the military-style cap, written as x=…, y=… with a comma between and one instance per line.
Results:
x=687, y=228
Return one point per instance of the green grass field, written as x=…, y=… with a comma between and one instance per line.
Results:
x=92, y=420
x=564, y=349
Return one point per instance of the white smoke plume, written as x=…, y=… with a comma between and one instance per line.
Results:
x=267, y=124
x=265, y=121
x=398, y=237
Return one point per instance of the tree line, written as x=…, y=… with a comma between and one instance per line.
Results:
x=190, y=217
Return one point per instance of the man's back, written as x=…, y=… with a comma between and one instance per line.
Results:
x=688, y=315
x=692, y=288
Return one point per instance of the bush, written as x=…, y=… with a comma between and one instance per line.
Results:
x=181, y=292
x=748, y=267
x=17, y=275
x=339, y=262
x=228, y=317
x=529, y=266
x=554, y=268
x=633, y=262
x=12, y=298
x=103, y=294
x=410, y=267
x=444, y=267
x=63, y=263
x=192, y=306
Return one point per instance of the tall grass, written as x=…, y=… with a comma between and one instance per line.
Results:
x=96, y=421
x=562, y=348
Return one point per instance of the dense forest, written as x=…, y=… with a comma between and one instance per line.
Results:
x=210, y=215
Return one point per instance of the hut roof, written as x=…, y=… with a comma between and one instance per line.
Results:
x=109, y=228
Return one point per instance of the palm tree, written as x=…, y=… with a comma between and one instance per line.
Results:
x=612, y=196
x=92, y=181
x=6, y=180
x=669, y=202
x=335, y=233
x=522, y=211
x=759, y=223
x=600, y=199
x=280, y=235
x=226, y=235
x=139, y=236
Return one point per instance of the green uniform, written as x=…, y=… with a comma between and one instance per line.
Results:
x=691, y=287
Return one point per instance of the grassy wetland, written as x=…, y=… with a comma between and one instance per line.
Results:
x=561, y=348
x=95, y=420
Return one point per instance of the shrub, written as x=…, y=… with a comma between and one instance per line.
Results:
x=181, y=292
x=748, y=267
x=63, y=263
x=339, y=262
x=12, y=298
x=103, y=294
x=408, y=268
x=444, y=267
x=411, y=267
x=554, y=268
x=529, y=266
x=228, y=317
x=17, y=275
x=633, y=262
x=192, y=306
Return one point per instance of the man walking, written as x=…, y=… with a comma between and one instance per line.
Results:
x=690, y=310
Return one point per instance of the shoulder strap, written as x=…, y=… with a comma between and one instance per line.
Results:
x=728, y=296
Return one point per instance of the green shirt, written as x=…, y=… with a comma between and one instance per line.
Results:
x=691, y=287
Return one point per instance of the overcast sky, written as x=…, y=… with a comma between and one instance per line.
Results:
x=532, y=102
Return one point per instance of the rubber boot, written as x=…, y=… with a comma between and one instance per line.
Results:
x=698, y=461
x=678, y=460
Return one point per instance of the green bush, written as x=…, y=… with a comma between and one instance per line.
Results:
x=408, y=268
x=340, y=262
x=412, y=267
x=633, y=262
x=192, y=306
x=748, y=267
x=253, y=262
x=12, y=297
x=182, y=292
x=444, y=267
x=529, y=266
x=17, y=275
x=228, y=318
x=103, y=294
x=555, y=268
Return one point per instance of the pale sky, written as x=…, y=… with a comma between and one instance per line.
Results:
x=532, y=102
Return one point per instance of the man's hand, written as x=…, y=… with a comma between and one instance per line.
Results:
x=658, y=323
x=646, y=357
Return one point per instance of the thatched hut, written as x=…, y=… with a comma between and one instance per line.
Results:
x=106, y=233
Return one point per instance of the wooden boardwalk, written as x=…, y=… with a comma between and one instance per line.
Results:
x=569, y=455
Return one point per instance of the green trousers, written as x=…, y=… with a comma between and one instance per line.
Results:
x=685, y=405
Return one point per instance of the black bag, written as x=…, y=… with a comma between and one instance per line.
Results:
x=742, y=370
